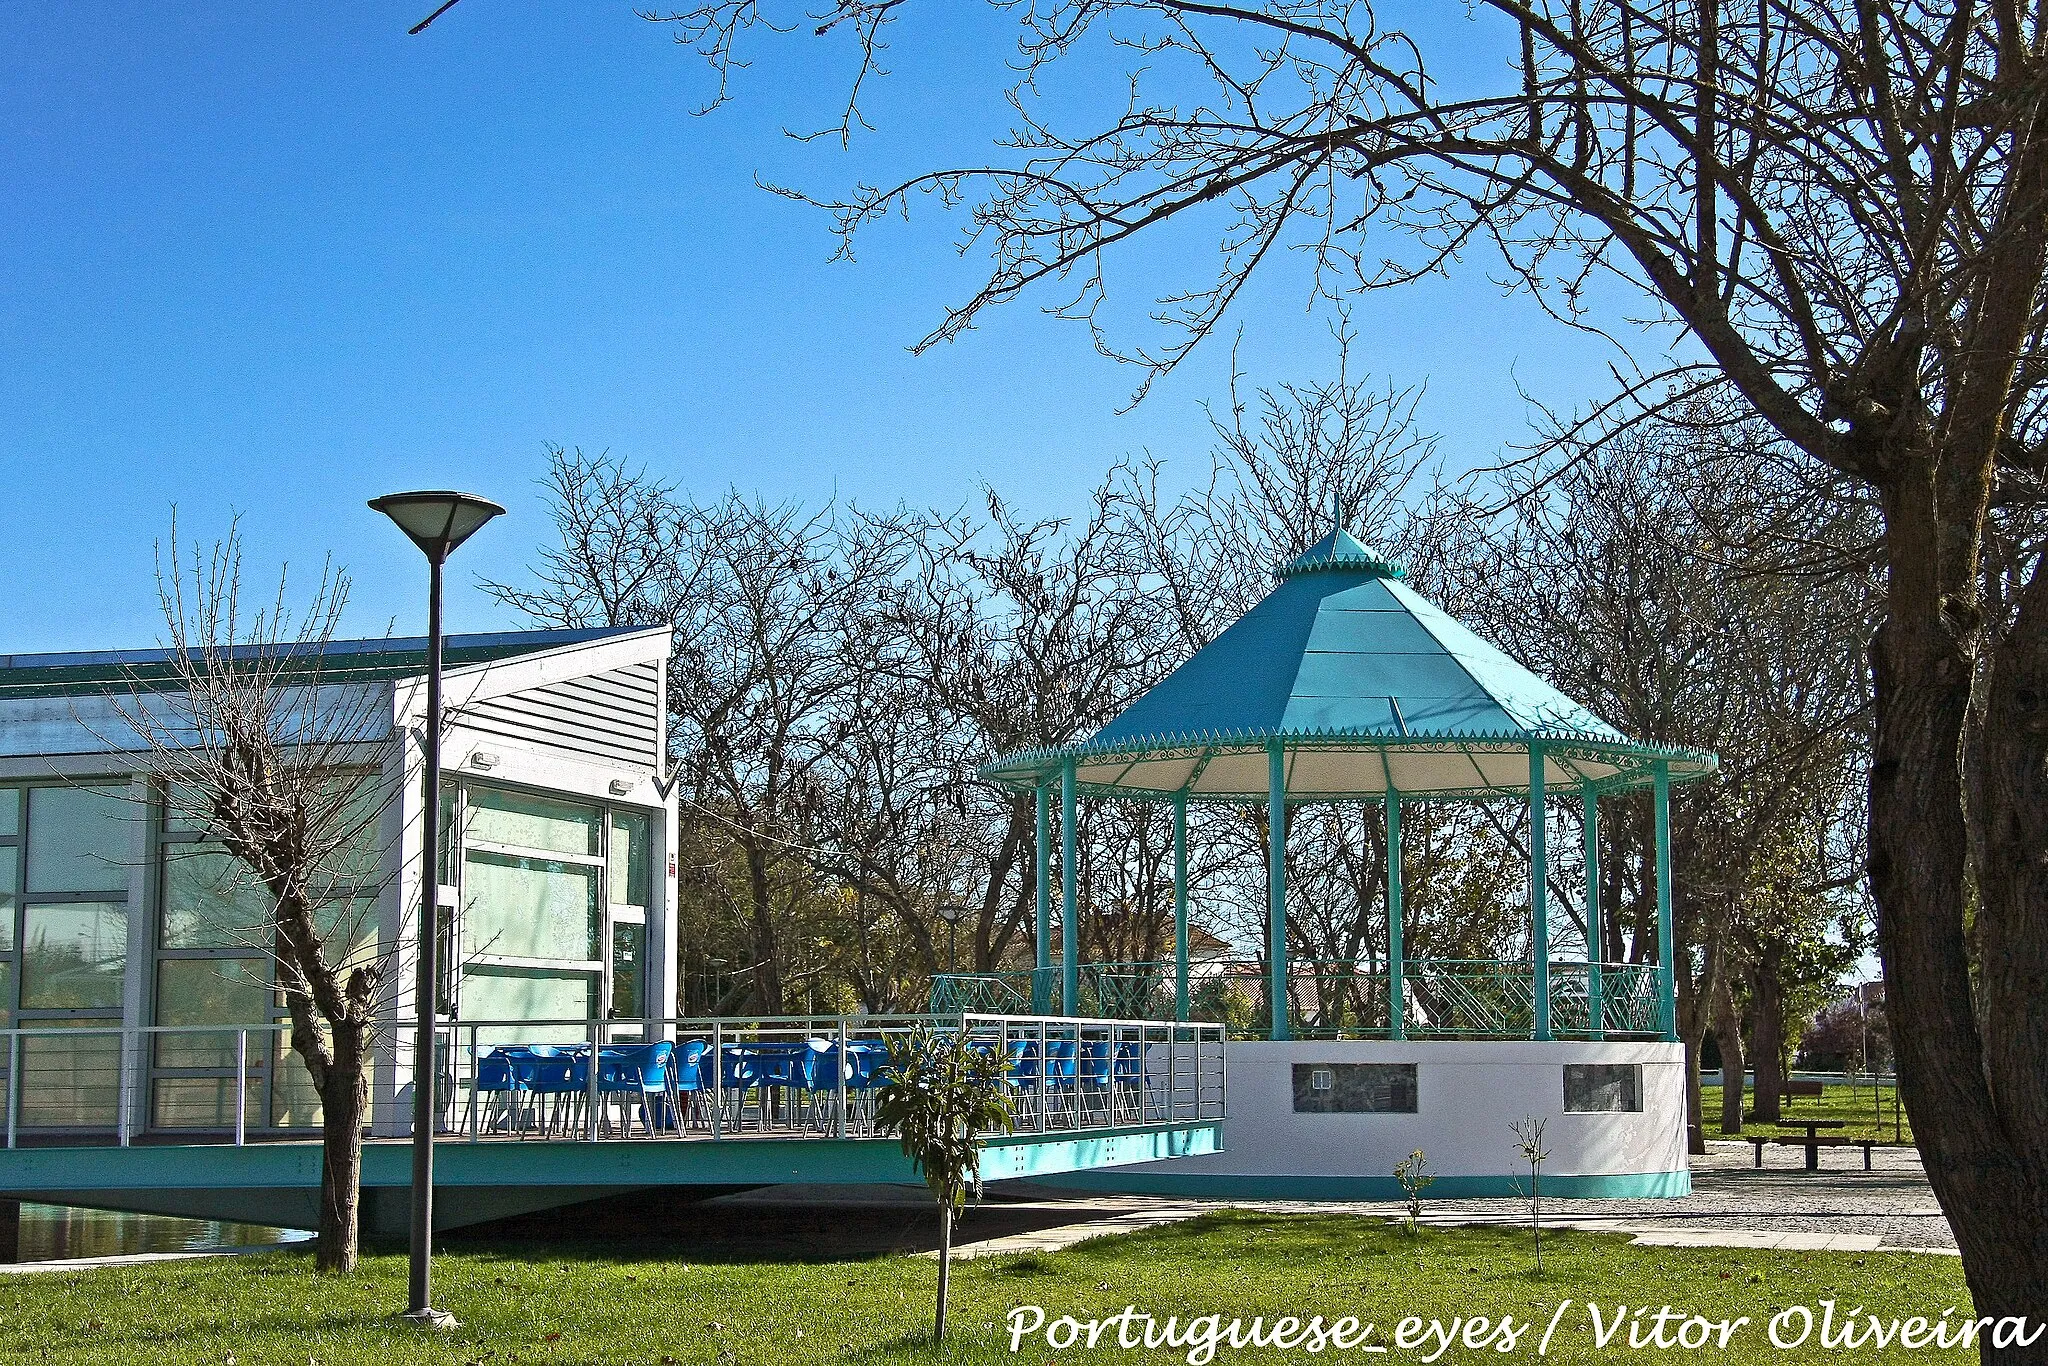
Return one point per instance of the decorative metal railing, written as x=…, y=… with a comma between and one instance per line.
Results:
x=1441, y=997
x=790, y=1077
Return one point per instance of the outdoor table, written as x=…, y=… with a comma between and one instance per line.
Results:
x=1813, y=1128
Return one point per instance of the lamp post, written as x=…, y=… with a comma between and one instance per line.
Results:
x=437, y=521
x=952, y=912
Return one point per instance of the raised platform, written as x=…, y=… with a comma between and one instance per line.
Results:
x=1285, y=1139
x=278, y=1183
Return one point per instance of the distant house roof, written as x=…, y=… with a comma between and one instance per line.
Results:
x=337, y=661
x=1367, y=686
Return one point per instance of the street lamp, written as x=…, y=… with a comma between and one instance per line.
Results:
x=437, y=521
x=952, y=912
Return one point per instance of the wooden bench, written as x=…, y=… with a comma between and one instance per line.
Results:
x=1813, y=1145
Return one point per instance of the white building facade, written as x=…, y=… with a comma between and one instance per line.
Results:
x=557, y=882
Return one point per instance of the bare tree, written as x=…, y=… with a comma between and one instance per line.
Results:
x=766, y=600
x=1839, y=204
x=257, y=739
x=1647, y=584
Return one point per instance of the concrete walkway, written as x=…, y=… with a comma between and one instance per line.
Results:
x=1733, y=1204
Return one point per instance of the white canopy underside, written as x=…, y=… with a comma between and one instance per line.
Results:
x=1438, y=767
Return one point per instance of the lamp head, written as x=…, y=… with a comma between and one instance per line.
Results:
x=437, y=520
x=952, y=912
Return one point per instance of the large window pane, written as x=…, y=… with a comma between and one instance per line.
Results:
x=73, y=956
x=10, y=860
x=6, y=999
x=10, y=811
x=79, y=838
x=348, y=931
x=208, y=1102
x=629, y=951
x=357, y=862
x=70, y=1079
x=210, y=991
x=498, y=817
x=629, y=861
x=529, y=908
x=528, y=994
x=212, y=901
x=294, y=1104
x=445, y=850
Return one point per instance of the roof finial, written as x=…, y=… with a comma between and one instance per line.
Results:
x=1337, y=506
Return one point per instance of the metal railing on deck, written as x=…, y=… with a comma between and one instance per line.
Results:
x=1339, y=998
x=789, y=1077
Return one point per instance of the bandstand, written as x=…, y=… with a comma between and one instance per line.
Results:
x=1345, y=685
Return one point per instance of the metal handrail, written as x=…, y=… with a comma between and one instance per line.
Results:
x=1159, y=1073
x=1480, y=998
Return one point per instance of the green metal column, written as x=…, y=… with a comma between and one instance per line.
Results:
x=1070, y=912
x=1596, y=938
x=1539, y=895
x=1397, y=1006
x=1041, y=980
x=1276, y=890
x=1180, y=906
x=1667, y=993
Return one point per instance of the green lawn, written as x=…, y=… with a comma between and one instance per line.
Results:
x=1852, y=1104
x=623, y=1302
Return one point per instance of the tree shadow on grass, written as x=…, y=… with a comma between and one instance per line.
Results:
x=653, y=1225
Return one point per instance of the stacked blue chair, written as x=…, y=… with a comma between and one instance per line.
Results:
x=868, y=1069
x=551, y=1074
x=497, y=1077
x=1096, y=1086
x=1130, y=1080
x=739, y=1072
x=1060, y=1082
x=781, y=1072
x=1023, y=1075
x=687, y=1082
x=634, y=1072
x=821, y=1069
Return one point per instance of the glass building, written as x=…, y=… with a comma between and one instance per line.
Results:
x=119, y=910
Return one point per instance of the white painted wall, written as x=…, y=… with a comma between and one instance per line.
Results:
x=1467, y=1094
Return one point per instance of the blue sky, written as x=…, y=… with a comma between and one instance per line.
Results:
x=275, y=261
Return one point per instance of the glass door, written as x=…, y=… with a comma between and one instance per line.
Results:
x=628, y=880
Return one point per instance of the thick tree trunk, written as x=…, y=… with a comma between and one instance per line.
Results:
x=1989, y=1174
x=1979, y=1094
x=344, y=1100
x=1767, y=1033
x=945, y=1267
x=1728, y=1038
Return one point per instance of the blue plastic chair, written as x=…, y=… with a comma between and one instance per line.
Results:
x=1130, y=1078
x=739, y=1072
x=687, y=1081
x=498, y=1078
x=1096, y=1078
x=1059, y=1072
x=635, y=1072
x=781, y=1071
x=555, y=1078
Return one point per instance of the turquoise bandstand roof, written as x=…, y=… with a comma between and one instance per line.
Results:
x=1366, y=685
